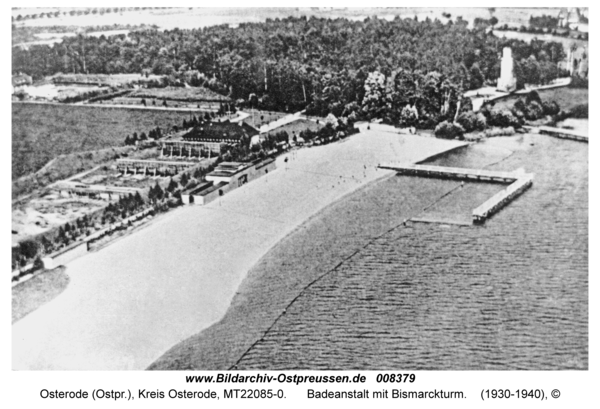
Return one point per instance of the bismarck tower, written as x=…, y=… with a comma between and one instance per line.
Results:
x=507, y=81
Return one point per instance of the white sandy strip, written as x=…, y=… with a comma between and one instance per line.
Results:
x=130, y=302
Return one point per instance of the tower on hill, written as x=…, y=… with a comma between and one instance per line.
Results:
x=507, y=81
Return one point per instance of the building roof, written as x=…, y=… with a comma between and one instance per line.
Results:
x=228, y=169
x=197, y=189
x=213, y=188
x=572, y=15
x=154, y=162
x=265, y=162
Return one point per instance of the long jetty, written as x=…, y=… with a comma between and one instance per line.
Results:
x=502, y=198
x=518, y=181
x=563, y=133
x=453, y=173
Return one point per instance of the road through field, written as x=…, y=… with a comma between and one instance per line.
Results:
x=130, y=302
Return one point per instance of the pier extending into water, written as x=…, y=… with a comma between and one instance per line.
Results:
x=502, y=198
x=518, y=181
x=563, y=133
x=453, y=173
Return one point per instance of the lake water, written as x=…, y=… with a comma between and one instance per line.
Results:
x=511, y=294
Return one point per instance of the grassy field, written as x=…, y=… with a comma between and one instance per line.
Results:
x=41, y=132
x=262, y=117
x=565, y=97
x=39, y=290
x=298, y=126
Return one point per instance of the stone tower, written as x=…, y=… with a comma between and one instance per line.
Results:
x=507, y=81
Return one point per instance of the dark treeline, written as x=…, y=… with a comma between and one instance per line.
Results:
x=318, y=64
x=543, y=21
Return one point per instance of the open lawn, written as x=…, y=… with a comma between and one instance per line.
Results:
x=565, y=97
x=39, y=290
x=41, y=132
x=298, y=126
x=30, y=295
x=257, y=118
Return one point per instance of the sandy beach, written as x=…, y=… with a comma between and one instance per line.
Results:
x=130, y=302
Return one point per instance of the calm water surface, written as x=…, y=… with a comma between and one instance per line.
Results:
x=512, y=294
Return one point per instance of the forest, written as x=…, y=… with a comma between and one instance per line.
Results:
x=404, y=71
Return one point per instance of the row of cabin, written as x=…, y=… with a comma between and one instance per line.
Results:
x=226, y=177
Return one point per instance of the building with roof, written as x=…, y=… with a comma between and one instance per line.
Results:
x=205, y=193
x=573, y=18
x=213, y=135
x=183, y=149
x=577, y=61
x=21, y=79
x=152, y=167
x=227, y=176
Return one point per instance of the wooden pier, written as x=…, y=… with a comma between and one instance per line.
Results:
x=563, y=133
x=519, y=181
x=454, y=173
x=502, y=198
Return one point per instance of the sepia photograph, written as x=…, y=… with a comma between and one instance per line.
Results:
x=300, y=189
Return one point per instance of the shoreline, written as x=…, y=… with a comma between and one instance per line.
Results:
x=201, y=267
x=195, y=353
x=262, y=332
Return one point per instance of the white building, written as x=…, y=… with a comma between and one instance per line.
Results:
x=573, y=18
x=507, y=81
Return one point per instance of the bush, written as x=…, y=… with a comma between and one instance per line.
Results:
x=474, y=137
x=38, y=264
x=580, y=111
x=480, y=122
x=448, y=130
x=471, y=121
x=487, y=109
x=519, y=105
x=533, y=96
x=490, y=133
x=408, y=116
x=534, y=111
x=520, y=115
x=427, y=123
x=467, y=120
x=503, y=118
x=550, y=108
x=466, y=105
x=579, y=82
x=499, y=132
